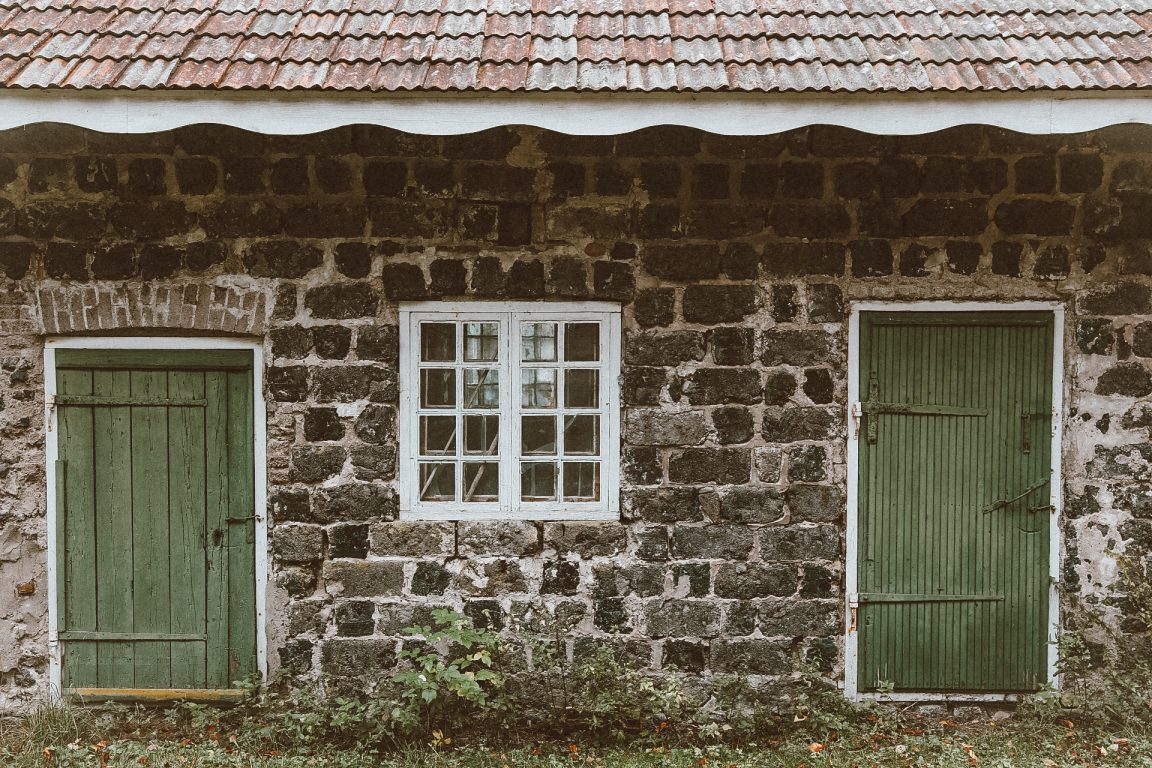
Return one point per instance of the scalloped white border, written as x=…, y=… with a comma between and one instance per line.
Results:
x=292, y=113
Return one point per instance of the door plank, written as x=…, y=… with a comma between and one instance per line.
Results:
x=186, y=511
x=216, y=510
x=80, y=533
x=241, y=535
x=112, y=452
x=150, y=534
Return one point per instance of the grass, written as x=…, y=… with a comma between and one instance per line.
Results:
x=63, y=737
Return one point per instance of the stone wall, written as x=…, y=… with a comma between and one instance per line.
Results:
x=734, y=260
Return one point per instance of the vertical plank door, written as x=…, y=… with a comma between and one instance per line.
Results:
x=155, y=511
x=954, y=501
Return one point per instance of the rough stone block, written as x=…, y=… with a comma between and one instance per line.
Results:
x=815, y=503
x=364, y=578
x=712, y=542
x=726, y=466
x=430, y=578
x=412, y=539
x=355, y=657
x=316, y=463
x=682, y=618
x=751, y=656
x=656, y=426
x=794, y=347
x=663, y=348
x=341, y=301
x=586, y=540
x=799, y=618
x=796, y=543
x=295, y=543
x=348, y=540
x=733, y=424
x=499, y=538
x=354, y=501
x=790, y=425
x=354, y=618
x=745, y=581
x=750, y=504
x=709, y=386
x=719, y=303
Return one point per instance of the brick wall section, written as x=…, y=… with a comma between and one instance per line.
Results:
x=734, y=259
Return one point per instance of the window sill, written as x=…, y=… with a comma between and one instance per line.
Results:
x=555, y=515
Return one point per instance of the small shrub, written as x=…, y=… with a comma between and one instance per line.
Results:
x=452, y=674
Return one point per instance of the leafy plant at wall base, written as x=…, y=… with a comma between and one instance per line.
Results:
x=452, y=671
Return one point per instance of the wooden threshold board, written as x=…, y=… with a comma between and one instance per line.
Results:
x=156, y=695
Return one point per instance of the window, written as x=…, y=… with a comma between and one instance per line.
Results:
x=509, y=410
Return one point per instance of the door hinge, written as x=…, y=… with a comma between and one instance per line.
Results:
x=853, y=608
x=857, y=414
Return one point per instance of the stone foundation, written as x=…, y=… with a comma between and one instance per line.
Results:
x=735, y=260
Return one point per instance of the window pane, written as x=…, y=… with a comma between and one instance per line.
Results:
x=581, y=388
x=537, y=481
x=582, y=341
x=481, y=435
x=481, y=388
x=481, y=341
x=481, y=481
x=581, y=435
x=537, y=342
x=538, y=435
x=437, y=388
x=438, y=342
x=581, y=481
x=538, y=387
x=438, y=435
x=437, y=482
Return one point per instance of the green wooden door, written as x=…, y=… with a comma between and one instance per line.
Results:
x=954, y=495
x=155, y=527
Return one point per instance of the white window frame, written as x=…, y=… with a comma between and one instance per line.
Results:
x=510, y=314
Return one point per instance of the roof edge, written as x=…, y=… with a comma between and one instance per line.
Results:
x=1051, y=112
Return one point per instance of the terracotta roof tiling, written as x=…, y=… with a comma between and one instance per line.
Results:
x=757, y=46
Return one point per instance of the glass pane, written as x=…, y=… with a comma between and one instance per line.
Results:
x=581, y=388
x=581, y=435
x=538, y=387
x=538, y=435
x=437, y=482
x=538, y=342
x=582, y=341
x=481, y=435
x=581, y=481
x=438, y=342
x=481, y=341
x=481, y=388
x=537, y=481
x=438, y=435
x=482, y=481
x=437, y=388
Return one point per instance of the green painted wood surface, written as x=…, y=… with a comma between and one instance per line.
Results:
x=925, y=485
x=146, y=596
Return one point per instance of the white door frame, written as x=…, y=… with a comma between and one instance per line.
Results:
x=260, y=461
x=852, y=527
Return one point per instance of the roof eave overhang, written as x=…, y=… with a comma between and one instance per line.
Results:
x=301, y=112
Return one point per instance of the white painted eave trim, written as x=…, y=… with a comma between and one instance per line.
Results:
x=286, y=113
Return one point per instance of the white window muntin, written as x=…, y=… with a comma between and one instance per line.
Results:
x=509, y=316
